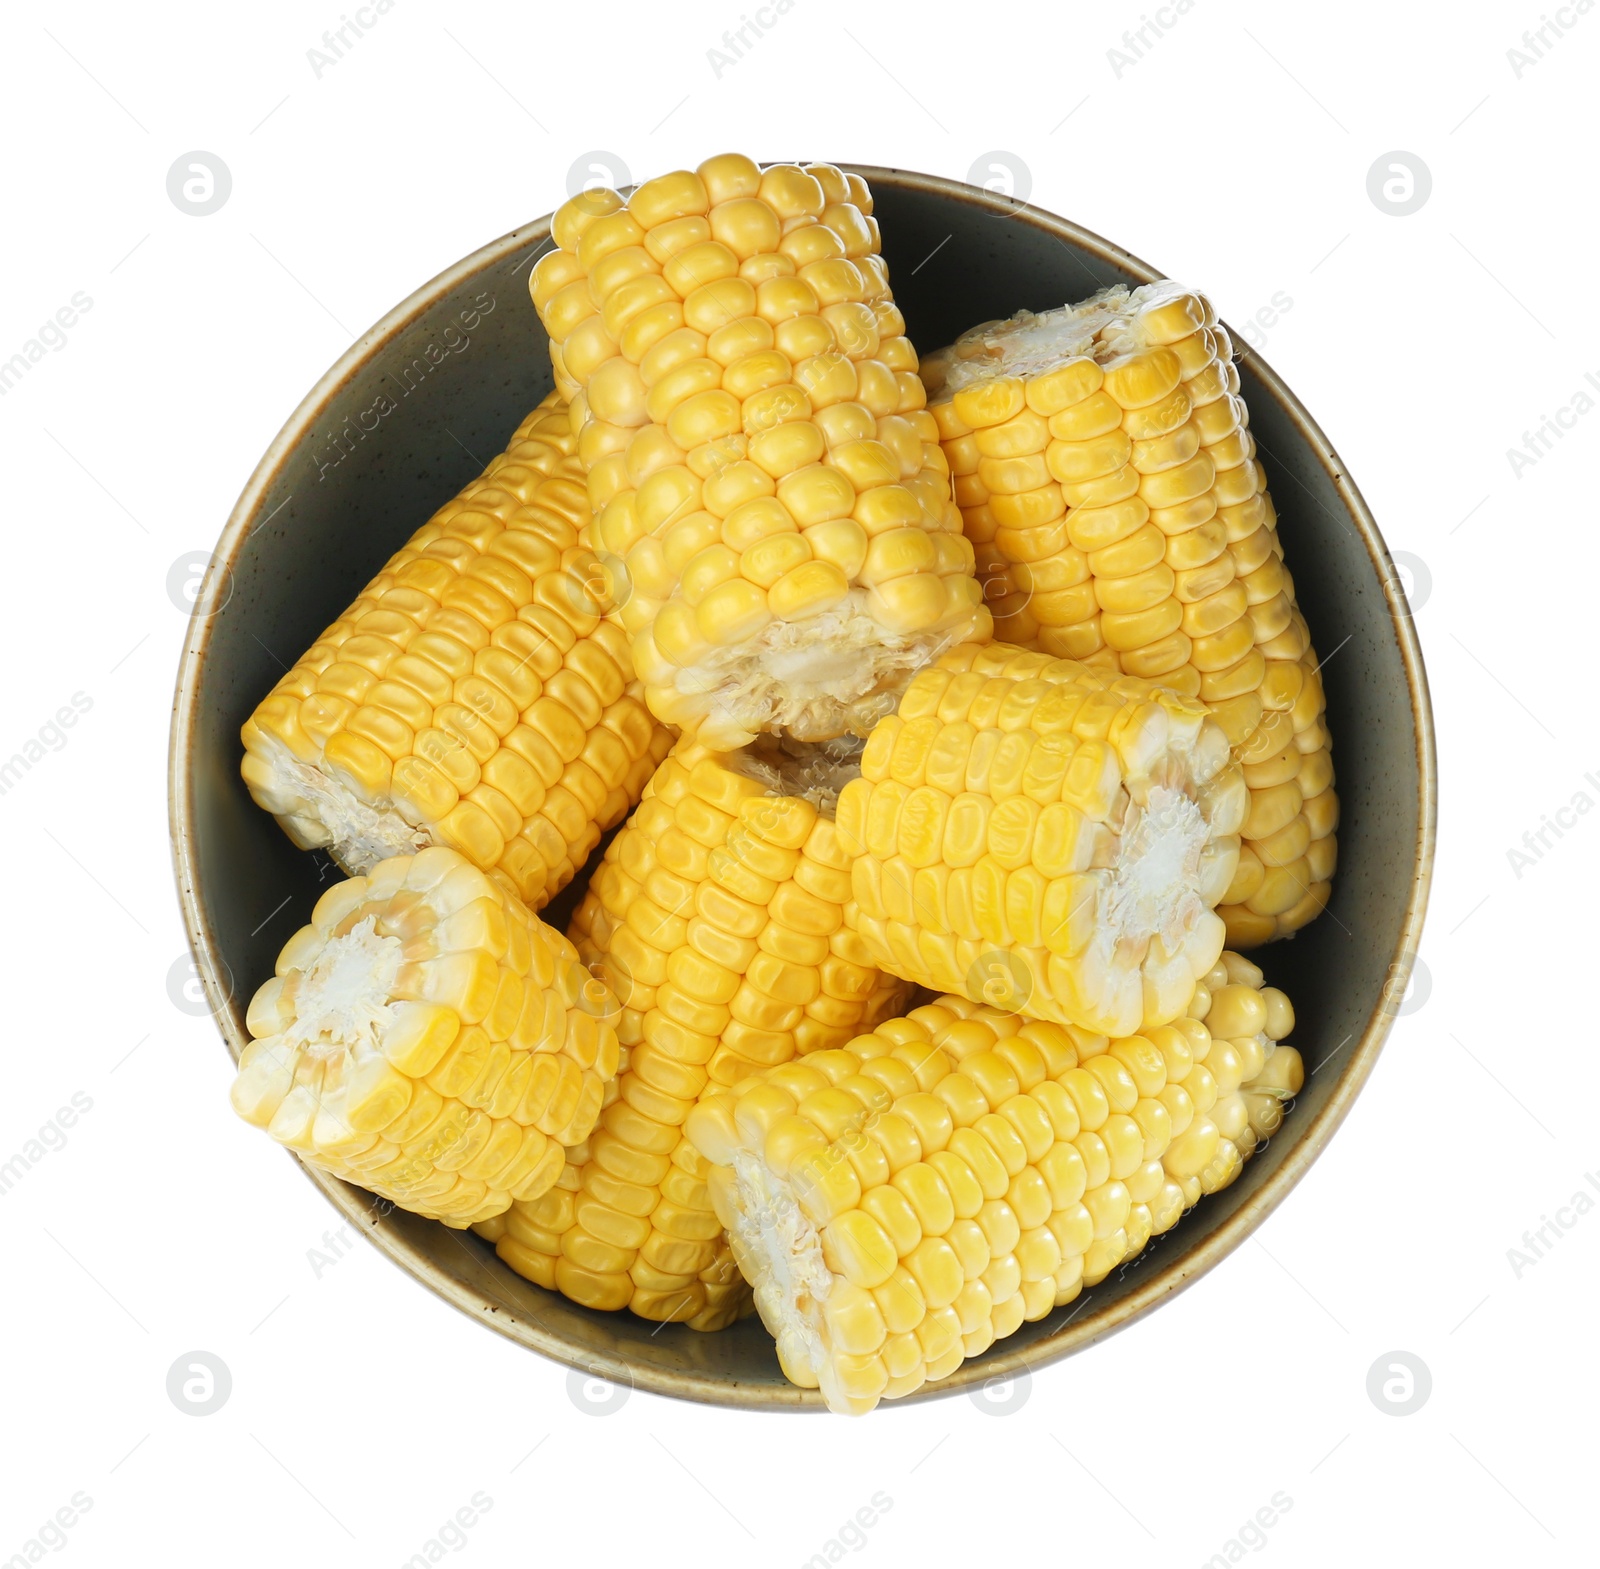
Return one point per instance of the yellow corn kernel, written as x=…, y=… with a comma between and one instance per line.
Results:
x=1026, y=794
x=898, y=1244
x=1149, y=461
x=473, y=694
x=430, y=1039
x=749, y=336
x=716, y=916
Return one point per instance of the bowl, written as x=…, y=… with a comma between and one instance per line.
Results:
x=414, y=409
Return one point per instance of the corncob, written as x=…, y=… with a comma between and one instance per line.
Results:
x=717, y=917
x=902, y=1203
x=429, y=1039
x=472, y=695
x=1044, y=837
x=767, y=484
x=1109, y=486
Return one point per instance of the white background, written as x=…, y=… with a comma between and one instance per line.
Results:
x=1235, y=155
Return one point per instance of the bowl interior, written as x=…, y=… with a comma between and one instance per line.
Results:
x=431, y=394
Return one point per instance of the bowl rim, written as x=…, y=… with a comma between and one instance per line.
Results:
x=1182, y=1270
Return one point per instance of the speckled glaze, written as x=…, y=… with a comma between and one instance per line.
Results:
x=415, y=408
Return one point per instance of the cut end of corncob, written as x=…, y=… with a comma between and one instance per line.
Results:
x=1045, y=837
x=768, y=488
x=473, y=695
x=1106, y=475
x=900, y=1204
x=317, y=805
x=835, y=675
x=1107, y=327
x=428, y=1039
x=342, y=1000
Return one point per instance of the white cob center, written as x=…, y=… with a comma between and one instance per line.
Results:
x=1027, y=345
x=805, y=678
x=324, y=812
x=792, y=1278
x=1155, y=884
x=344, y=998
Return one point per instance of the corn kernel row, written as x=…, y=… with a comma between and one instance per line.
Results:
x=900, y=1204
x=429, y=1039
x=1108, y=482
x=717, y=918
x=473, y=695
x=767, y=483
x=1044, y=837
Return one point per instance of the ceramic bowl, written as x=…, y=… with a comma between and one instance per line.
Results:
x=416, y=407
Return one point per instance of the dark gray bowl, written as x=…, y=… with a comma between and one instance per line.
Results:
x=413, y=410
